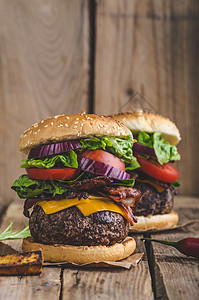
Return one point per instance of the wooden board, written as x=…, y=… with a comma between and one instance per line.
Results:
x=44, y=71
x=46, y=285
x=150, y=49
x=176, y=275
x=109, y=283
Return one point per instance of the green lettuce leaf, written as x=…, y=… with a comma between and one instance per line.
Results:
x=124, y=182
x=120, y=147
x=175, y=184
x=27, y=187
x=164, y=151
x=68, y=159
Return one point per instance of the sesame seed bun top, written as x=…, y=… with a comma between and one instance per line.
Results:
x=68, y=127
x=150, y=122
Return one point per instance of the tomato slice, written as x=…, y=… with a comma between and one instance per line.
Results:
x=52, y=174
x=165, y=172
x=104, y=157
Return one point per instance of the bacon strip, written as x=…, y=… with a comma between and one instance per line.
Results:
x=129, y=214
x=126, y=195
x=88, y=184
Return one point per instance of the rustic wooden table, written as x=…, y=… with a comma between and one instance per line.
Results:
x=163, y=273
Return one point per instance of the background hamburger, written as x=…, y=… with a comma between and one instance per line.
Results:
x=77, y=182
x=156, y=178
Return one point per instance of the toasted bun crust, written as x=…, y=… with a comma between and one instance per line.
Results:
x=149, y=122
x=67, y=127
x=155, y=222
x=82, y=254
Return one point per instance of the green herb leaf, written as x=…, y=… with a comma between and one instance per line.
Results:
x=8, y=234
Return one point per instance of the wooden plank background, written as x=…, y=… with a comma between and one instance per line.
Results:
x=66, y=56
x=44, y=71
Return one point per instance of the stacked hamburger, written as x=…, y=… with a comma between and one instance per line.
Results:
x=156, y=176
x=79, y=189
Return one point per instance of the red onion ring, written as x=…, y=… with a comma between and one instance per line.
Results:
x=142, y=149
x=51, y=149
x=100, y=168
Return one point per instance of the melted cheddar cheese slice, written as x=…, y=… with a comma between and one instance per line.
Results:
x=159, y=188
x=87, y=206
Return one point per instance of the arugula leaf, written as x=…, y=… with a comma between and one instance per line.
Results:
x=164, y=151
x=27, y=187
x=8, y=234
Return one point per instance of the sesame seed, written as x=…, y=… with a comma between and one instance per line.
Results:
x=35, y=125
x=77, y=119
x=75, y=127
x=38, y=130
x=98, y=126
x=66, y=125
x=30, y=143
x=67, y=117
x=24, y=135
x=42, y=121
x=51, y=123
x=76, y=123
x=35, y=132
x=78, y=134
x=61, y=125
x=82, y=124
x=56, y=116
x=46, y=126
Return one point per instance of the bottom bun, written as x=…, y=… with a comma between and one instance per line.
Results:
x=82, y=254
x=155, y=222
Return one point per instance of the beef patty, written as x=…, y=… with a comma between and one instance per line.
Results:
x=71, y=227
x=152, y=202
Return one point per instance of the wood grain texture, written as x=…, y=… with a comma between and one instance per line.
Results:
x=44, y=70
x=45, y=286
x=177, y=275
x=152, y=48
x=109, y=283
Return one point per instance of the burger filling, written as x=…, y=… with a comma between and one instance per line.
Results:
x=157, y=177
x=89, y=176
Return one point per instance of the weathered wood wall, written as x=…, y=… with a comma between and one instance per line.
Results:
x=66, y=56
x=44, y=70
x=152, y=47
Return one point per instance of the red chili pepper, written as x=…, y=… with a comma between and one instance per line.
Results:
x=188, y=246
